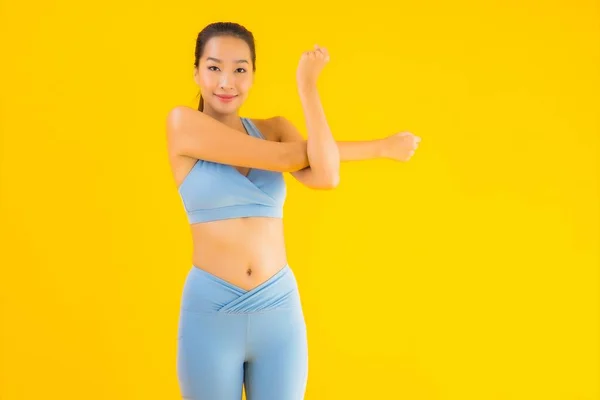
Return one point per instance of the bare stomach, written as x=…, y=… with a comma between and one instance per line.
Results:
x=242, y=251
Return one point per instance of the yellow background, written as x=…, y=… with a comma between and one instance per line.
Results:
x=470, y=272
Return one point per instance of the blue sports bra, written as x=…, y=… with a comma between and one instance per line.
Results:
x=213, y=191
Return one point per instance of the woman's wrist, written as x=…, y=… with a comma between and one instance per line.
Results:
x=381, y=148
x=307, y=87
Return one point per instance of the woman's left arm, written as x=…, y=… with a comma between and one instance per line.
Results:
x=323, y=154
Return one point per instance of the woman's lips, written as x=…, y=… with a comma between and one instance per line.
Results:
x=225, y=98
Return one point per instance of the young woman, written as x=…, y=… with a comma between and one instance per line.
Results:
x=241, y=321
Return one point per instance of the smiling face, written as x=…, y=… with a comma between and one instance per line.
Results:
x=224, y=74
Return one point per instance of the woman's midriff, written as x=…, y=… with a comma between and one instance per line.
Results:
x=242, y=251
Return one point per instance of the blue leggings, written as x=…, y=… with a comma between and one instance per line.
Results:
x=229, y=337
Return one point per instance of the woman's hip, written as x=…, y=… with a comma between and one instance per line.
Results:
x=206, y=293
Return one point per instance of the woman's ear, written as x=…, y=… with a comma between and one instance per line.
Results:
x=196, y=77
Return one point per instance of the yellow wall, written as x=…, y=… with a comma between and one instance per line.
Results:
x=470, y=272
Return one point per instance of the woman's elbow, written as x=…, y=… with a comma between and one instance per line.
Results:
x=330, y=182
x=335, y=181
x=332, y=177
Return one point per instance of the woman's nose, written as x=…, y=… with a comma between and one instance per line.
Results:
x=225, y=80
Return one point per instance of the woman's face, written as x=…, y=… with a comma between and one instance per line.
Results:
x=224, y=74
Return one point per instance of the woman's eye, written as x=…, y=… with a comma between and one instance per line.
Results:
x=241, y=70
x=211, y=68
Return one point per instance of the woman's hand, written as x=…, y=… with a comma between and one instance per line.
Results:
x=400, y=146
x=310, y=66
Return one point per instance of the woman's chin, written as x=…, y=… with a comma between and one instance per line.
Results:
x=227, y=107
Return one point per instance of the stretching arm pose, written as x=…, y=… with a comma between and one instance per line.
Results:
x=315, y=162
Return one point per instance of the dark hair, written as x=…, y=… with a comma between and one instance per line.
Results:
x=223, y=29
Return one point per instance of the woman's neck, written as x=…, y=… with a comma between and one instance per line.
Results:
x=231, y=120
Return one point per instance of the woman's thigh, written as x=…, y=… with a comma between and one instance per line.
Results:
x=210, y=356
x=277, y=366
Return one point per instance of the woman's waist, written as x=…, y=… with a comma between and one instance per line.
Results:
x=243, y=270
x=205, y=292
x=238, y=232
x=239, y=242
x=239, y=256
x=242, y=253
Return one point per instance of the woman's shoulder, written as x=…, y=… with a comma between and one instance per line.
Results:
x=269, y=127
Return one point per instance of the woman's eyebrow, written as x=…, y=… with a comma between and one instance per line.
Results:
x=217, y=60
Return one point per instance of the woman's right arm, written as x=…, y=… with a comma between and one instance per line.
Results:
x=194, y=134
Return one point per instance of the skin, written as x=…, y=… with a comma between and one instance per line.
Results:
x=247, y=251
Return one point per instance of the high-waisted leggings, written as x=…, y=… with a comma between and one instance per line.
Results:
x=229, y=337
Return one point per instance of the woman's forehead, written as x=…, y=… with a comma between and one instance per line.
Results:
x=227, y=49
